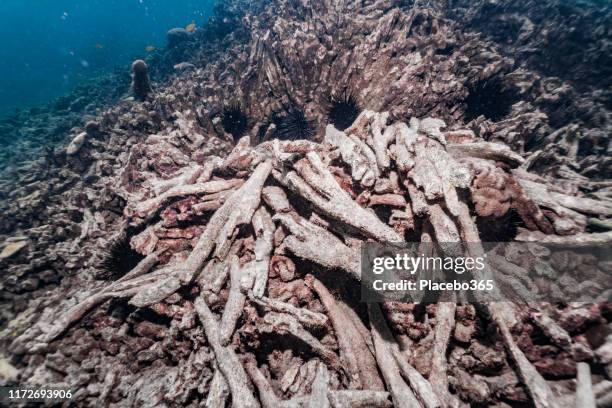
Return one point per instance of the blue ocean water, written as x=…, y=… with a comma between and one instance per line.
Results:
x=51, y=46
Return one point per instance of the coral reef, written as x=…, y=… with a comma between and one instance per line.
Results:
x=181, y=250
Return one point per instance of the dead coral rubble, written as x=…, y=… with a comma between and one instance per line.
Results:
x=285, y=215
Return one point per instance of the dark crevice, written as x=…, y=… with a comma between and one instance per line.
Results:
x=490, y=98
x=504, y=229
x=150, y=315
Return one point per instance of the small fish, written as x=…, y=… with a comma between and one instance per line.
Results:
x=150, y=48
x=191, y=27
x=99, y=46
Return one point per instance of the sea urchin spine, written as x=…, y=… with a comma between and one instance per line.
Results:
x=235, y=121
x=343, y=110
x=294, y=126
x=119, y=259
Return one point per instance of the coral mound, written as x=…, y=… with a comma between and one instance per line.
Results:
x=268, y=238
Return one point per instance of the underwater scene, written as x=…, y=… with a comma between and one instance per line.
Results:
x=306, y=203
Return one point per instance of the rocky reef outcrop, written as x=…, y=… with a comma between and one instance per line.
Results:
x=201, y=247
x=141, y=83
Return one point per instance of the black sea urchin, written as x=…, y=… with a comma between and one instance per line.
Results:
x=293, y=125
x=119, y=259
x=489, y=98
x=235, y=121
x=343, y=110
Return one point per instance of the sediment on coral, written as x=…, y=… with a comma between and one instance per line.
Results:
x=190, y=251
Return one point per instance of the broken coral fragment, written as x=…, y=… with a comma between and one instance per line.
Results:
x=12, y=248
x=76, y=144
